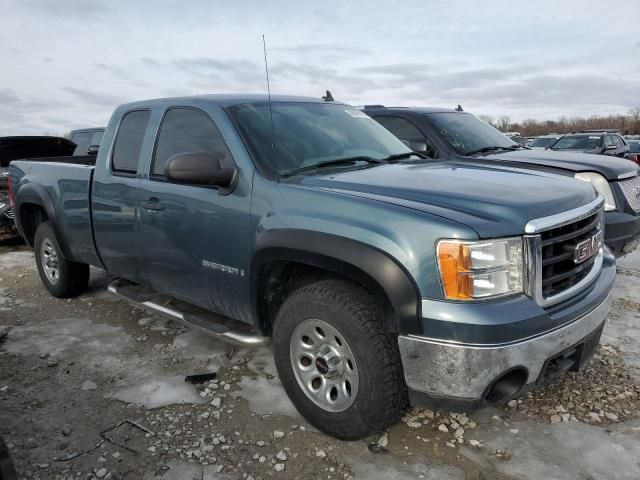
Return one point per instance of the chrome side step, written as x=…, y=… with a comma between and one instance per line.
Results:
x=226, y=329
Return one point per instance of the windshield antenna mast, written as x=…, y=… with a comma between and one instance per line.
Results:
x=266, y=69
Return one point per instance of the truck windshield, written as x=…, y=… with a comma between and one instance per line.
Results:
x=467, y=133
x=578, y=142
x=302, y=135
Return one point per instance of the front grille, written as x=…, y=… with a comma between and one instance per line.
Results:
x=631, y=190
x=10, y=214
x=559, y=271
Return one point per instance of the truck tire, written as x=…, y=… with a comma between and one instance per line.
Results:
x=338, y=364
x=61, y=277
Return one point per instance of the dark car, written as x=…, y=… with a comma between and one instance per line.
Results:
x=87, y=140
x=603, y=142
x=634, y=151
x=458, y=135
x=19, y=147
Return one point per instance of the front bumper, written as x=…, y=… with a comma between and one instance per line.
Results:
x=622, y=232
x=457, y=374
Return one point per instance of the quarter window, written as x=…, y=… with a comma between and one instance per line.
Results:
x=128, y=144
x=187, y=130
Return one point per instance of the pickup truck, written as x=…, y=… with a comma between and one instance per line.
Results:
x=380, y=276
x=458, y=135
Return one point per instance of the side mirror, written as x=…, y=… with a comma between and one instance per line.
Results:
x=610, y=147
x=93, y=149
x=199, y=169
x=418, y=146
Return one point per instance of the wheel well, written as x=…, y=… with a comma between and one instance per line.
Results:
x=278, y=279
x=31, y=216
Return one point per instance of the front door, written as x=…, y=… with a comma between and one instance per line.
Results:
x=194, y=240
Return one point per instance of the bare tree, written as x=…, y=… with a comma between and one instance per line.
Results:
x=634, y=113
x=504, y=122
x=488, y=119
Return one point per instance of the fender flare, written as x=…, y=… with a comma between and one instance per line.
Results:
x=375, y=269
x=32, y=193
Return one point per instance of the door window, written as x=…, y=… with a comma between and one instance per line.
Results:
x=401, y=128
x=82, y=141
x=188, y=130
x=128, y=143
x=608, y=141
x=407, y=131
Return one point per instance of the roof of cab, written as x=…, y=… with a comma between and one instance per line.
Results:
x=415, y=109
x=224, y=100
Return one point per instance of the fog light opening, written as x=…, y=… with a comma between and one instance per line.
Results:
x=506, y=385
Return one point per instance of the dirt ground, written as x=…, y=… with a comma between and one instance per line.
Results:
x=93, y=388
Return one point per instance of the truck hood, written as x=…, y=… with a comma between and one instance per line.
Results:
x=494, y=201
x=575, y=161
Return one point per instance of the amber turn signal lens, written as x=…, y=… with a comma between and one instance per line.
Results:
x=454, y=260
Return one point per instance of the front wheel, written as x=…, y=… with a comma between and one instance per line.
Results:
x=61, y=277
x=336, y=361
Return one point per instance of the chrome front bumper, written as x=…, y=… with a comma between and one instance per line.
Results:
x=464, y=372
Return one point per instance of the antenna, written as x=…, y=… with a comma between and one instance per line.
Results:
x=266, y=69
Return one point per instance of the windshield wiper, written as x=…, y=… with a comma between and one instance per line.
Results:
x=401, y=156
x=490, y=148
x=331, y=163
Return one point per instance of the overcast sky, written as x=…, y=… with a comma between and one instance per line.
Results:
x=68, y=63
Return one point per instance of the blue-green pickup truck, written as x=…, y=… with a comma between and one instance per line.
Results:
x=381, y=277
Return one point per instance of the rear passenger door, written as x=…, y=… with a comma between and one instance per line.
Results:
x=195, y=240
x=115, y=199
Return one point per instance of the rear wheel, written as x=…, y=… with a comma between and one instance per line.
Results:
x=336, y=361
x=61, y=277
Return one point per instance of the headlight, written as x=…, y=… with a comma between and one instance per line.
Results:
x=601, y=185
x=480, y=269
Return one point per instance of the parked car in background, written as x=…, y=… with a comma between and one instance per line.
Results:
x=19, y=147
x=373, y=269
x=452, y=134
x=594, y=141
x=516, y=137
x=87, y=140
x=544, y=141
x=634, y=150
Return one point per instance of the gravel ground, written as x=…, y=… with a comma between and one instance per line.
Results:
x=91, y=388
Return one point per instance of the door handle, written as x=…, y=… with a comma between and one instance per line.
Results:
x=153, y=205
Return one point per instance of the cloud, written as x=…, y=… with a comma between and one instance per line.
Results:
x=73, y=61
x=68, y=8
x=93, y=98
x=323, y=48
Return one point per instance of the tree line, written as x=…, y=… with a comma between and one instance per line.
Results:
x=628, y=124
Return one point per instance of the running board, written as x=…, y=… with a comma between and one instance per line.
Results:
x=226, y=329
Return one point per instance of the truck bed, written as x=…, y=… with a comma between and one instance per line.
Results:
x=67, y=182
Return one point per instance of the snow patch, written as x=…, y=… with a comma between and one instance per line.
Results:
x=17, y=259
x=386, y=467
x=560, y=451
x=266, y=397
x=159, y=392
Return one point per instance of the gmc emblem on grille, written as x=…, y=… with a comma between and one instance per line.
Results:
x=587, y=248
